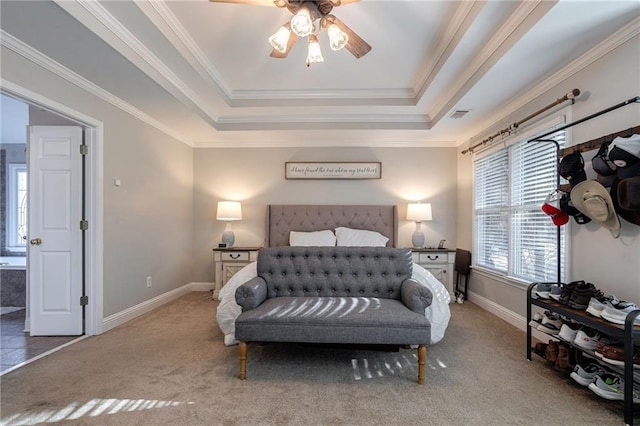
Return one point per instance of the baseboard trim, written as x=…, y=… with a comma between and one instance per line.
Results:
x=128, y=314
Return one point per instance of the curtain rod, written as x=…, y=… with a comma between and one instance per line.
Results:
x=589, y=117
x=571, y=95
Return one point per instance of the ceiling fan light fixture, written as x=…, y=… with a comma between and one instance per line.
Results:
x=314, y=53
x=337, y=38
x=280, y=39
x=301, y=23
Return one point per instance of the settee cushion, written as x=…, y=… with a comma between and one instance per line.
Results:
x=357, y=320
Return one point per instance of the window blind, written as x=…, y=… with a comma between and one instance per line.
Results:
x=512, y=234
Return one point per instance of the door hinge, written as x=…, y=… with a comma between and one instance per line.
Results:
x=84, y=149
x=84, y=300
x=84, y=225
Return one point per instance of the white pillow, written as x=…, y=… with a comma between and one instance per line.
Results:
x=315, y=238
x=360, y=238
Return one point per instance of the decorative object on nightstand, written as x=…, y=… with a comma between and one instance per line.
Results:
x=418, y=212
x=228, y=261
x=229, y=211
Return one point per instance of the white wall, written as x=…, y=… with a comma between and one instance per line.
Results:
x=148, y=220
x=256, y=178
x=14, y=117
x=613, y=265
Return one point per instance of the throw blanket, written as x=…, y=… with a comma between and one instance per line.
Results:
x=228, y=310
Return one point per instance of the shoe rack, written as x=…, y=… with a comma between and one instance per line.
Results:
x=627, y=332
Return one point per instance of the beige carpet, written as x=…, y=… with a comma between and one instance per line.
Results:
x=171, y=367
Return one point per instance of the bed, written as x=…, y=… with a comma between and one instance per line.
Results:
x=281, y=220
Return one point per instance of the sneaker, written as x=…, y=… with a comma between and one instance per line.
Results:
x=550, y=323
x=611, y=386
x=567, y=291
x=536, y=320
x=556, y=292
x=543, y=289
x=617, y=313
x=569, y=331
x=581, y=294
x=615, y=355
x=598, y=302
x=587, y=338
x=585, y=375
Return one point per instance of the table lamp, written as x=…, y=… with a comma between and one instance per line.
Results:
x=418, y=212
x=229, y=211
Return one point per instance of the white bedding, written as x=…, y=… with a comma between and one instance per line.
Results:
x=228, y=310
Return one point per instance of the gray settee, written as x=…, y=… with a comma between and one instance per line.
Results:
x=337, y=295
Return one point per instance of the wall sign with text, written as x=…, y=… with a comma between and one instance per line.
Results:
x=333, y=170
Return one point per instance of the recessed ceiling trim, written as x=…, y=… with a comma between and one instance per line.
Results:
x=462, y=19
x=166, y=22
x=40, y=59
x=331, y=143
x=523, y=18
x=116, y=35
x=623, y=35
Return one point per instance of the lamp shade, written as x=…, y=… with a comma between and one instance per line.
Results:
x=418, y=212
x=229, y=210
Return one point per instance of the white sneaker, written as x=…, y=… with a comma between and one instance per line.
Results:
x=550, y=323
x=568, y=332
x=536, y=320
x=611, y=386
x=586, y=375
x=618, y=313
x=596, y=306
x=587, y=338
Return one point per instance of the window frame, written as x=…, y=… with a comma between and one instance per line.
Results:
x=541, y=127
x=11, y=234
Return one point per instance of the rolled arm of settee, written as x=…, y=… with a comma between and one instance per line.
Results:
x=252, y=293
x=415, y=296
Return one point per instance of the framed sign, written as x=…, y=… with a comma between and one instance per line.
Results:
x=333, y=170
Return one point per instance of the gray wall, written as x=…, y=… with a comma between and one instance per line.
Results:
x=256, y=178
x=613, y=265
x=148, y=226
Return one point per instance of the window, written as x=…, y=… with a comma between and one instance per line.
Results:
x=512, y=235
x=17, y=208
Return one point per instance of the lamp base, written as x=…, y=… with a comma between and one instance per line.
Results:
x=227, y=236
x=417, y=239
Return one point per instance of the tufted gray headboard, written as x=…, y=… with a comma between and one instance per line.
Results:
x=281, y=219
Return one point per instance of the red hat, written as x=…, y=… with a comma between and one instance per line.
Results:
x=558, y=216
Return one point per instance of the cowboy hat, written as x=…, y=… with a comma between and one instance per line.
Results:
x=625, y=195
x=593, y=199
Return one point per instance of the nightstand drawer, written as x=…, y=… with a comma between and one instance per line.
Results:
x=234, y=255
x=427, y=258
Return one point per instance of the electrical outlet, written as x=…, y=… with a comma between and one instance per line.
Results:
x=148, y=282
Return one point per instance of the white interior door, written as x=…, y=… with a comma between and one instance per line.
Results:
x=55, y=238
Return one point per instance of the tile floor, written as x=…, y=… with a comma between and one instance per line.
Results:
x=16, y=346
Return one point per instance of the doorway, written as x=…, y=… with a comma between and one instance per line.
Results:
x=48, y=112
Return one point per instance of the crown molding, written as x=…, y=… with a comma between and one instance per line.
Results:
x=463, y=18
x=166, y=22
x=102, y=23
x=163, y=18
x=523, y=18
x=333, y=143
x=608, y=45
x=43, y=61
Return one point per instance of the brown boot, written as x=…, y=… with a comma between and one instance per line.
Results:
x=551, y=354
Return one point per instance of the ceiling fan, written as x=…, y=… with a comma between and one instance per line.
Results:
x=306, y=12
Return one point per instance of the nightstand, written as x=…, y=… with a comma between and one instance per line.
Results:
x=228, y=261
x=440, y=262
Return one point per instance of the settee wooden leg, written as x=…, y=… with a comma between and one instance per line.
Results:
x=243, y=359
x=422, y=360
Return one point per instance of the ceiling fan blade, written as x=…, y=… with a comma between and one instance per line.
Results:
x=356, y=45
x=249, y=2
x=292, y=40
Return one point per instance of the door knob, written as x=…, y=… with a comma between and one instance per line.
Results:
x=36, y=241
